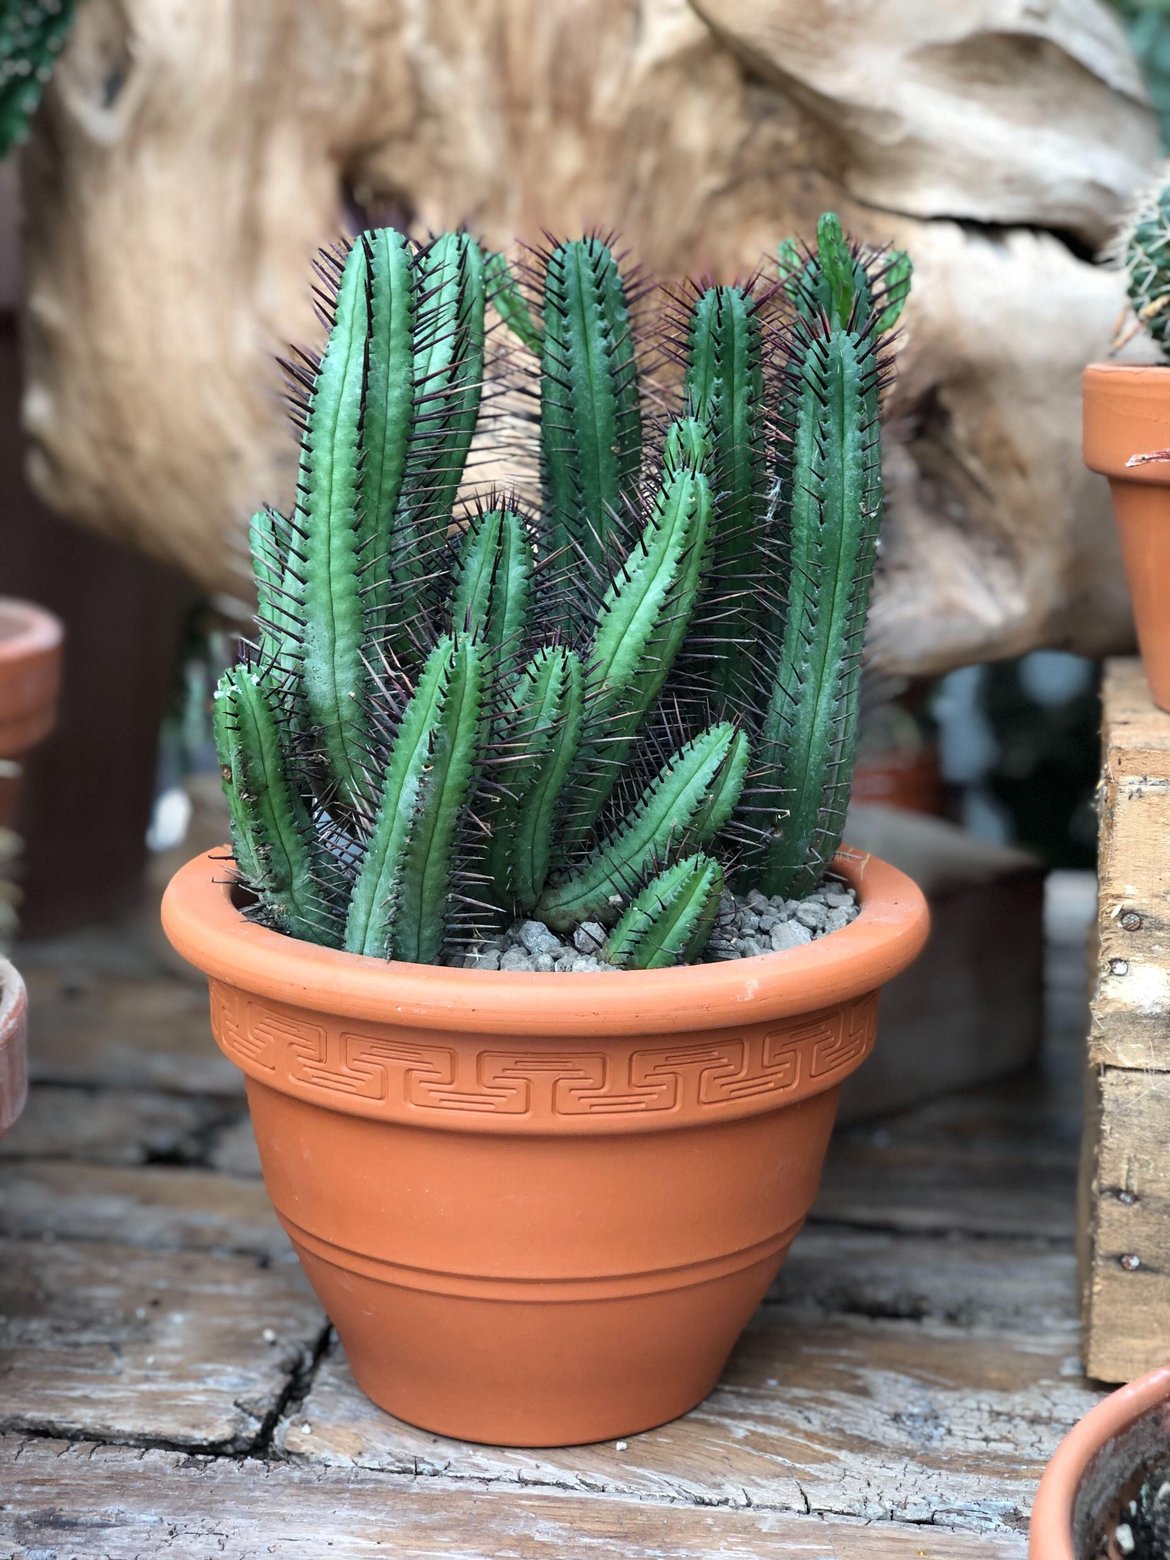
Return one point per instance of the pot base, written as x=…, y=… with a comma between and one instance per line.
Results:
x=546, y=1370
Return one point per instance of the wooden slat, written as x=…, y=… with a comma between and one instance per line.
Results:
x=61, y=1501
x=112, y=1126
x=120, y=1029
x=1128, y=1277
x=881, y=1420
x=120, y=1343
x=1124, y=1239
x=156, y=1207
x=1132, y=1000
x=982, y=1284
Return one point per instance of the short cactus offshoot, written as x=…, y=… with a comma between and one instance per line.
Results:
x=456, y=713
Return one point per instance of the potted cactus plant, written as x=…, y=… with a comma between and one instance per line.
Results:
x=1127, y=431
x=1105, y=1495
x=540, y=1199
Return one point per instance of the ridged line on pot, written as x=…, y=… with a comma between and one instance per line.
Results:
x=13, y=1044
x=1127, y=414
x=1099, y=1455
x=540, y=1208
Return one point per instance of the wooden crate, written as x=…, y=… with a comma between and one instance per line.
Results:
x=1125, y=1168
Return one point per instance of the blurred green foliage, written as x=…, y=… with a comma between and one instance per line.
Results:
x=1148, y=25
x=32, y=33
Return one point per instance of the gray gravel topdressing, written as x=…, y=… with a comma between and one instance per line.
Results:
x=746, y=926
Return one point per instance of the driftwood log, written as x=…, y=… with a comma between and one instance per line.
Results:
x=189, y=158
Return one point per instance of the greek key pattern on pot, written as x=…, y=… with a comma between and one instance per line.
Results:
x=336, y=1060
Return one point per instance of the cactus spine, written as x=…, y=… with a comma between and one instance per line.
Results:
x=456, y=714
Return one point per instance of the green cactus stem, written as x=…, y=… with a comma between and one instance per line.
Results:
x=832, y=503
x=492, y=594
x=670, y=921
x=274, y=842
x=642, y=621
x=843, y=282
x=506, y=297
x=398, y=906
x=590, y=410
x=538, y=739
x=725, y=390
x=687, y=804
x=448, y=384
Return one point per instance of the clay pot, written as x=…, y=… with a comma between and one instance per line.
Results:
x=1126, y=417
x=539, y=1209
x=13, y=1044
x=30, y=678
x=30, y=675
x=1097, y=1468
x=909, y=780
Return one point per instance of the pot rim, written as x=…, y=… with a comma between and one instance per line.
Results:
x=34, y=629
x=1051, y=1535
x=13, y=999
x=1126, y=413
x=211, y=933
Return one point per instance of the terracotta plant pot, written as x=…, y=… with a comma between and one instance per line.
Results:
x=539, y=1209
x=908, y=780
x=1127, y=416
x=30, y=678
x=13, y=1044
x=30, y=675
x=1097, y=1468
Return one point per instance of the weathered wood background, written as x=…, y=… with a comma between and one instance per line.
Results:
x=169, y=1386
x=189, y=158
x=1125, y=1182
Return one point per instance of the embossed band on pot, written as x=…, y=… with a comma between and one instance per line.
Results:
x=435, y=1080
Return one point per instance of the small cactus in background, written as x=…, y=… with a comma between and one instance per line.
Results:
x=457, y=713
x=32, y=33
x=1143, y=247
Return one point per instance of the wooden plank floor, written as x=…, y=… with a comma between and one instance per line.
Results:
x=169, y=1385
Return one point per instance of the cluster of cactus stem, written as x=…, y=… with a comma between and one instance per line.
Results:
x=604, y=708
x=32, y=33
x=1143, y=247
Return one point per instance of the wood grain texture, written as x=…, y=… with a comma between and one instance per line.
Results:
x=110, y=1015
x=58, y=1504
x=867, y=1418
x=230, y=142
x=112, y=1126
x=1124, y=1241
x=1131, y=1003
x=119, y=1343
x=161, y=1208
